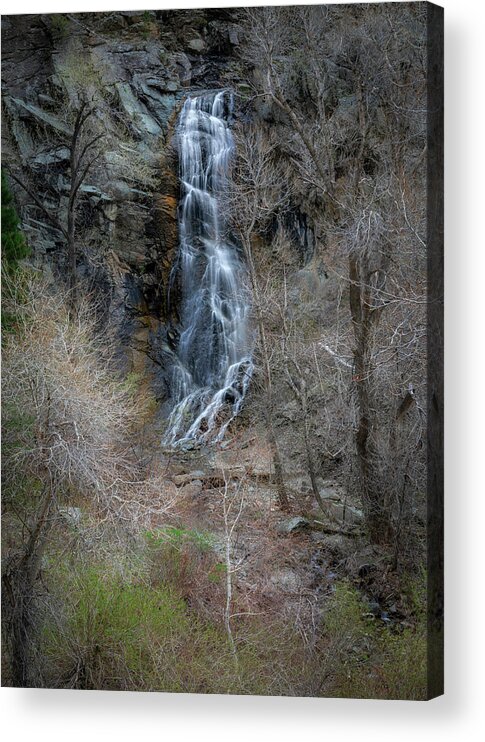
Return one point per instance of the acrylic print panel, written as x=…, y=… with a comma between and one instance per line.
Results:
x=222, y=364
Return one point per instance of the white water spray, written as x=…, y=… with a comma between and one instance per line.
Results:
x=213, y=368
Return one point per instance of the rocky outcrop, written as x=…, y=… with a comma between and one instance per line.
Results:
x=136, y=67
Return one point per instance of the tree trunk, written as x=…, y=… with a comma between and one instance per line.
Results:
x=18, y=583
x=309, y=457
x=277, y=463
x=271, y=436
x=376, y=507
x=71, y=254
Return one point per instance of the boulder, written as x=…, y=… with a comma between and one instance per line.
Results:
x=233, y=36
x=344, y=513
x=93, y=193
x=339, y=508
x=196, y=44
x=298, y=523
x=50, y=158
x=182, y=479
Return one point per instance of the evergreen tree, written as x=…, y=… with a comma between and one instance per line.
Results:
x=14, y=249
x=14, y=246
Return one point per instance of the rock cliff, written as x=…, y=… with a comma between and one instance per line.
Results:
x=137, y=68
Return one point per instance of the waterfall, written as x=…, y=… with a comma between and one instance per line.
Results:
x=213, y=365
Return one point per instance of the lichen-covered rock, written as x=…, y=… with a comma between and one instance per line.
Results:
x=197, y=44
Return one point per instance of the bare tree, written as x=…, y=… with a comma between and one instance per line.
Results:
x=361, y=160
x=83, y=154
x=259, y=190
x=232, y=509
x=67, y=422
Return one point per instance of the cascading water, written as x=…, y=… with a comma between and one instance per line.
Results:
x=213, y=366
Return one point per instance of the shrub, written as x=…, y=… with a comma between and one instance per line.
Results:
x=186, y=559
x=368, y=659
x=109, y=633
x=14, y=246
x=59, y=25
x=54, y=370
x=14, y=250
x=66, y=425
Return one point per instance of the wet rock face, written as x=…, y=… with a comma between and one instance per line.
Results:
x=137, y=67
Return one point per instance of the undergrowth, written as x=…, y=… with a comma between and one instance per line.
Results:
x=370, y=659
x=106, y=632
